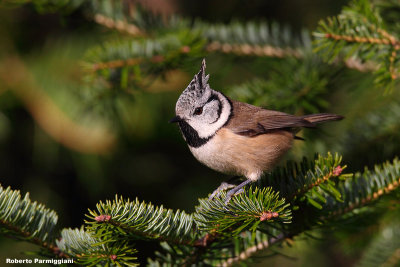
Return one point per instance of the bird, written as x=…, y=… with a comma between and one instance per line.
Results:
x=234, y=137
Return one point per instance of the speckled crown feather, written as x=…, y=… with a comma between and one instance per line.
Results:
x=196, y=88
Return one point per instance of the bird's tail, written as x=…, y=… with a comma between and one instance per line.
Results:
x=321, y=117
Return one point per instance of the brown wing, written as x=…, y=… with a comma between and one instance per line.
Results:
x=250, y=120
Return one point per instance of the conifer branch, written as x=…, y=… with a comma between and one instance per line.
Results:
x=115, y=64
x=370, y=185
x=310, y=181
x=90, y=250
x=253, y=50
x=291, y=200
x=178, y=45
x=142, y=234
x=135, y=18
x=248, y=252
x=258, y=39
x=118, y=25
x=385, y=38
x=317, y=182
x=142, y=220
x=116, y=223
x=122, y=53
x=13, y=231
x=304, y=92
x=243, y=212
x=220, y=252
x=371, y=42
x=355, y=63
x=368, y=199
x=29, y=221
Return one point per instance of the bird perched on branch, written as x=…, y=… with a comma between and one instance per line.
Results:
x=233, y=137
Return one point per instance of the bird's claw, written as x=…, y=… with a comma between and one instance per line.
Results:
x=232, y=193
x=222, y=187
x=236, y=189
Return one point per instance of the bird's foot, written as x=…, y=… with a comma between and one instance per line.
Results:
x=222, y=187
x=236, y=190
x=232, y=193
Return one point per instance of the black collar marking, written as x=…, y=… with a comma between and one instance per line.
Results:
x=191, y=136
x=231, y=110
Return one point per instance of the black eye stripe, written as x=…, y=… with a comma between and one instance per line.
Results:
x=212, y=98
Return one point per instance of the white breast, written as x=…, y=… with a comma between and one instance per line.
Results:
x=230, y=153
x=212, y=155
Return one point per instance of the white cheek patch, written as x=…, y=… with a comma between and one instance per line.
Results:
x=212, y=111
x=205, y=129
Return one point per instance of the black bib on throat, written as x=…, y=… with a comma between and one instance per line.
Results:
x=191, y=136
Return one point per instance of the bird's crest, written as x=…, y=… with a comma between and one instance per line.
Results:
x=200, y=80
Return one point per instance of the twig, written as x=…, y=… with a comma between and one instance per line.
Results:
x=357, y=39
x=387, y=39
x=386, y=190
x=118, y=25
x=131, y=61
x=149, y=235
x=251, y=250
x=310, y=186
x=116, y=64
x=53, y=249
x=253, y=50
x=356, y=64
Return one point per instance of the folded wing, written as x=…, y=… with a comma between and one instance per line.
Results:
x=252, y=121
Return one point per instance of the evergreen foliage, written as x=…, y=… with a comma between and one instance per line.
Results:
x=282, y=70
x=305, y=90
x=91, y=251
x=243, y=212
x=361, y=32
x=132, y=219
x=216, y=232
x=26, y=220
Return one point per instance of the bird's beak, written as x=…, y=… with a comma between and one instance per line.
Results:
x=175, y=119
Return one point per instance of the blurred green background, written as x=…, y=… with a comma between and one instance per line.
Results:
x=139, y=154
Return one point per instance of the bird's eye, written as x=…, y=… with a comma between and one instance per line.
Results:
x=198, y=111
